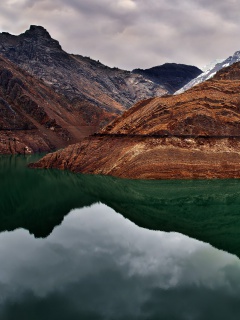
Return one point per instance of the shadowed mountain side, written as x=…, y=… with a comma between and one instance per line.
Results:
x=38, y=200
x=172, y=75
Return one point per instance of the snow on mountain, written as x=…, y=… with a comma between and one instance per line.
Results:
x=211, y=64
x=210, y=71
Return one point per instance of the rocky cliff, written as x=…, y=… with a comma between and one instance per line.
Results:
x=34, y=118
x=192, y=135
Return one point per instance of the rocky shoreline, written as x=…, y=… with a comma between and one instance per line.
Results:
x=149, y=157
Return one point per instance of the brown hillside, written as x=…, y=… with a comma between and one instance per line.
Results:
x=192, y=135
x=33, y=117
x=209, y=109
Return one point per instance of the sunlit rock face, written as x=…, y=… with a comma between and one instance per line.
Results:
x=192, y=135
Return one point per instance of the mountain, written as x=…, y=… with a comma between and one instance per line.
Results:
x=34, y=118
x=172, y=76
x=211, y=71
x=192, y=135
x=81, y=79
x=87, y=93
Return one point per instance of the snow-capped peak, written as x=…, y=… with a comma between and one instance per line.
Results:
x=210, y=70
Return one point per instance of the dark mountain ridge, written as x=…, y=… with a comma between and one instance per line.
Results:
x=171, y=75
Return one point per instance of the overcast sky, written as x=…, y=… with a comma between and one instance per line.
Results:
x=133, y=33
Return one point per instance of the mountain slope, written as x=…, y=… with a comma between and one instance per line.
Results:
x=33, y=117
x=79, y=78
x=83, y=80
x=172, y=75
x=209, y=109
x=192, y=135
x=211, y=71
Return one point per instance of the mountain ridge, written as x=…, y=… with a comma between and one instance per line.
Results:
x=79, y=78
x=172, y=75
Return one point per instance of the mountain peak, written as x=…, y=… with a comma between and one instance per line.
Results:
x=40, y=35
x=37, y=30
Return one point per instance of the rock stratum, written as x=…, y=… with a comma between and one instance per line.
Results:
x=34, y=118
x=193, y=135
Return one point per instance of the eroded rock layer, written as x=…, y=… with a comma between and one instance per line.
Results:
x=192, y=135
x=34, y=118
x=150, y=157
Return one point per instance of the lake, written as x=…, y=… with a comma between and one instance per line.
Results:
x=94, y=247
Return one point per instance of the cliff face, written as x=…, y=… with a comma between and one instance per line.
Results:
x=34, y=118
x=193, y=135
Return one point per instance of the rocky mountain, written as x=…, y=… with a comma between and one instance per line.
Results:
x=83, y=80
x=80, y=79
x=87, y=93
x=211, y=71
x=192, y=135
x=34, y=118
x=172, y=76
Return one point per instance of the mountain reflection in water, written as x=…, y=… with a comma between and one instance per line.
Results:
x=98, y=265
x=38, y=200
x=94, y=264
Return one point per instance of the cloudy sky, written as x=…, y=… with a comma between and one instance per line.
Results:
x=133, y=33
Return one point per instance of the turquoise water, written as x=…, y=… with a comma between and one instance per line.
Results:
x=93, y=247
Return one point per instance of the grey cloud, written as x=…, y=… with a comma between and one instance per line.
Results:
x=133, y=33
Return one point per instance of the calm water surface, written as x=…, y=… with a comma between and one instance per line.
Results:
x=93, y=247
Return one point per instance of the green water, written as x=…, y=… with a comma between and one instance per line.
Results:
x=94, y=247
